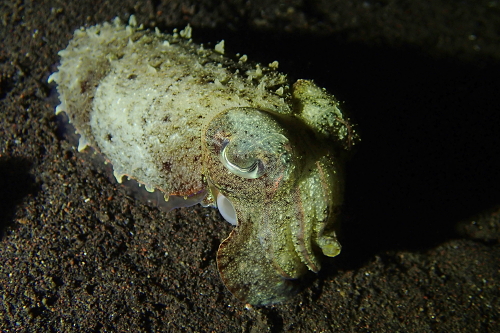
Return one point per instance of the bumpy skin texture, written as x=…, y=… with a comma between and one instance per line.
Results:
x=141, y=98
x=189, y=122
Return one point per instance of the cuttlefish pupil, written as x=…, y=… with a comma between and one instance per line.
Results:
x=255, y=170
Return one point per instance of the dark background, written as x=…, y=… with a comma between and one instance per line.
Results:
x=422, y=214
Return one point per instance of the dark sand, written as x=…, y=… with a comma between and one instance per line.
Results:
x=421, y=226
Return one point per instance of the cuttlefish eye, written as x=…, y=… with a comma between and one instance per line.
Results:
x=253, y=171
x=249, y=143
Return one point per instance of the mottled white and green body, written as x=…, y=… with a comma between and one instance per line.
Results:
x=189, y=122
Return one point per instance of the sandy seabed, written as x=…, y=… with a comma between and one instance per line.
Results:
x=421, y=224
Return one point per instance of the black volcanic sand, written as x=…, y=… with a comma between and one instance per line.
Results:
x=421, y=226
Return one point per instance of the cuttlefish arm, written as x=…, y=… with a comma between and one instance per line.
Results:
x=278, y=240
x=248, y=272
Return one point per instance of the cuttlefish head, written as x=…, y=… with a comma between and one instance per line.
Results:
x=281, y=190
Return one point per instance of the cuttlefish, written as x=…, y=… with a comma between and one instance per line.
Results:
x=199, y=127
